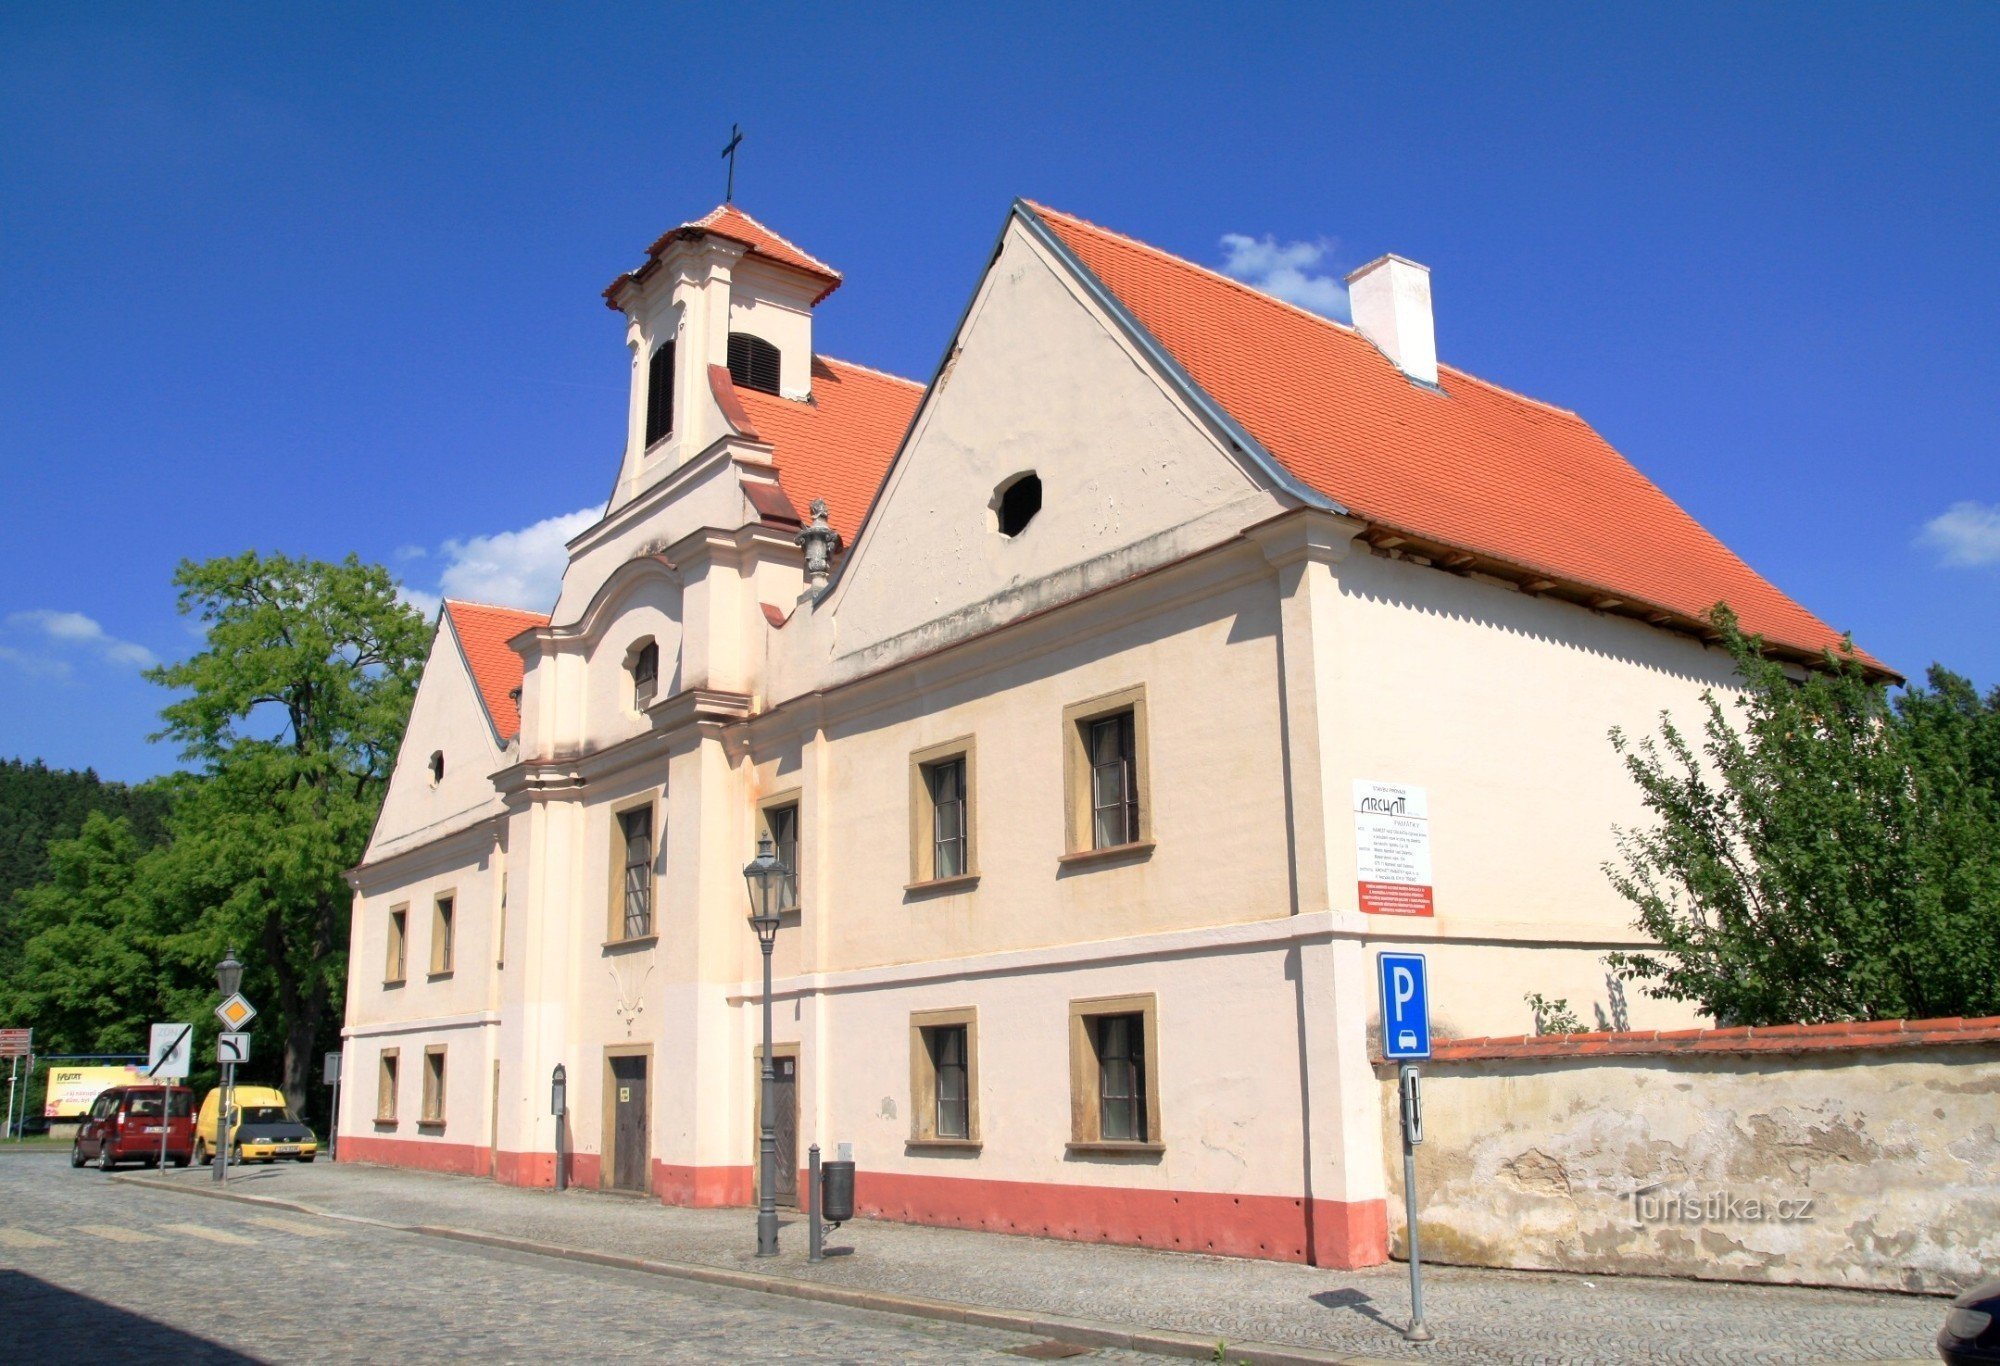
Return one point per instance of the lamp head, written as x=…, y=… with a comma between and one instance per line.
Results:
x=229, y=974
x=763, y=876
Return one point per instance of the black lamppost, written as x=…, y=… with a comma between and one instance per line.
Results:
x=764, y=875
x=228, y=977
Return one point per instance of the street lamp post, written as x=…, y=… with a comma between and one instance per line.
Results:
x=228, y=977
x=764, y=875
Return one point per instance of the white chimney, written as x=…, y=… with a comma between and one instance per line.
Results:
x=1391, y=298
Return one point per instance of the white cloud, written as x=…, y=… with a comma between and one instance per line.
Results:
x=77, y=631
x=1965, y=535
x=508, y=568
x=1286, y=269
x=33, y=665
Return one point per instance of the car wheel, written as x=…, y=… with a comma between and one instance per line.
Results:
x=76, y=1153
x=236, y=1156
x=309, y=1157
x=106, y=1160
x=180, y=1159
x=202, y=1154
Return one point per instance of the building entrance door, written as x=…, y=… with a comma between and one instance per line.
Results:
x=786, y=1122
x=629, y=1147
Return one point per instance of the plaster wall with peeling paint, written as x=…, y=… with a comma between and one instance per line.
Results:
x=1860, y=1168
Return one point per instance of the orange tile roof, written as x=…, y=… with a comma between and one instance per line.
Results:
x=1475, y=467
x=726, y=220
x=483, y=633
x=838, y=444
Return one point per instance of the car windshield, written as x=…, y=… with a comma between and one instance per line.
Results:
x=265, y=1114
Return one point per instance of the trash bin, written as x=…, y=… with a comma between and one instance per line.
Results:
x=836, y=1191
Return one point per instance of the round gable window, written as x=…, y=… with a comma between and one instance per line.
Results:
x=1016, y=502
x=437, y=767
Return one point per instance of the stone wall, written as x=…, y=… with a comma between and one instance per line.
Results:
x=1844, y=1155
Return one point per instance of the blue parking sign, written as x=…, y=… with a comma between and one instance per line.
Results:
x=1406, y=1006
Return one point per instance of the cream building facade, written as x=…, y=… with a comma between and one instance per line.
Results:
x=1127, y=607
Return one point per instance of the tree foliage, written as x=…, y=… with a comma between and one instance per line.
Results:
x=39, y=804
x=291, y=714
x=1819, y=852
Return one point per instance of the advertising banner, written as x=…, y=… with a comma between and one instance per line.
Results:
x=72, y=1089
x=1392, y=847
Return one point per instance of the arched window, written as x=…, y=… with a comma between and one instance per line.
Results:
x=753, y=363
x=645, y=673
x=660, y=393
x=437, y=767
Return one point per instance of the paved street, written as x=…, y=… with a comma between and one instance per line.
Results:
x=1479, y=1315
x=92, y=1266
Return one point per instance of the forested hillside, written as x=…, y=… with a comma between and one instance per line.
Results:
x=39, y=804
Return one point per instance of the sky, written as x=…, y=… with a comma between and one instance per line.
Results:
x=324, y=279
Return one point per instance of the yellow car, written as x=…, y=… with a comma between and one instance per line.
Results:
x=265, y=1129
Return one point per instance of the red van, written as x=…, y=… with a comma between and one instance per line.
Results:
x=124, y=1125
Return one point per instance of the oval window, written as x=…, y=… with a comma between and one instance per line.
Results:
x=1016, y=502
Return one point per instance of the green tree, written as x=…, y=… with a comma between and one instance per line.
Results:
x=1823, y=853
x=38, y=805
x=292, y=713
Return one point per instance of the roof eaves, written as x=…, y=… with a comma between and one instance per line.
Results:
x=1163, y=360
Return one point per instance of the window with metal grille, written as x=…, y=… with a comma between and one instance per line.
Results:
x=782, y=823
x=645, y=674
x=1114, y=795
x=637, y=828
x=660, y=393
x=753, y=363
x=954, y=1111
x=946, y=781
x=1121, y=1072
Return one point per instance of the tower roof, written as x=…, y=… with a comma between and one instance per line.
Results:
x=726, y=220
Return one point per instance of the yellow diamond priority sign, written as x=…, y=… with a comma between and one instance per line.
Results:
x=236, y=1012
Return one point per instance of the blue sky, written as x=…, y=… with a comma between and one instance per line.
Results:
x=325, y=278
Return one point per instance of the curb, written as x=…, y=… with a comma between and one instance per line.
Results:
x=1083, y=1332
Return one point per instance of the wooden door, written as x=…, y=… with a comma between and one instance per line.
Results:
x=785, y=1121
x=630, y=1150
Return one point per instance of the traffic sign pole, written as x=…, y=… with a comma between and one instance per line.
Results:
x=1406, y=1038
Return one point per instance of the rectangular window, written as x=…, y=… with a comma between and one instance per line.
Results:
x=1105, y=783
x=1121, y=1071
x=399, y=930
x=441, y=936
x=433, y=1112
x=1114, y=1083
x=781, y=823
x=946, y=784
x=944, y=1077
x=1114, y=791
x=636, y=833
x=947, y=1045
x=944, y=835
x=385, y=1088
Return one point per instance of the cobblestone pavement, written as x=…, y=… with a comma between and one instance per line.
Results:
x=1478, y=1315
x=94, y=1268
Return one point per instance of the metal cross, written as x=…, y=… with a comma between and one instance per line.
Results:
x=735, y=137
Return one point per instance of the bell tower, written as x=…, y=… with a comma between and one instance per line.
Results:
x=720, y=300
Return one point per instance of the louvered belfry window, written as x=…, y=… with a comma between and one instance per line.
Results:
x=753, y=363
x=660, y=394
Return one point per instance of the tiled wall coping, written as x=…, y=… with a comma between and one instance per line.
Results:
x=1869, y=1034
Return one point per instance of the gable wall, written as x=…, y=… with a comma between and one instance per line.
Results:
x=1131, y=478
x=446, y=715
